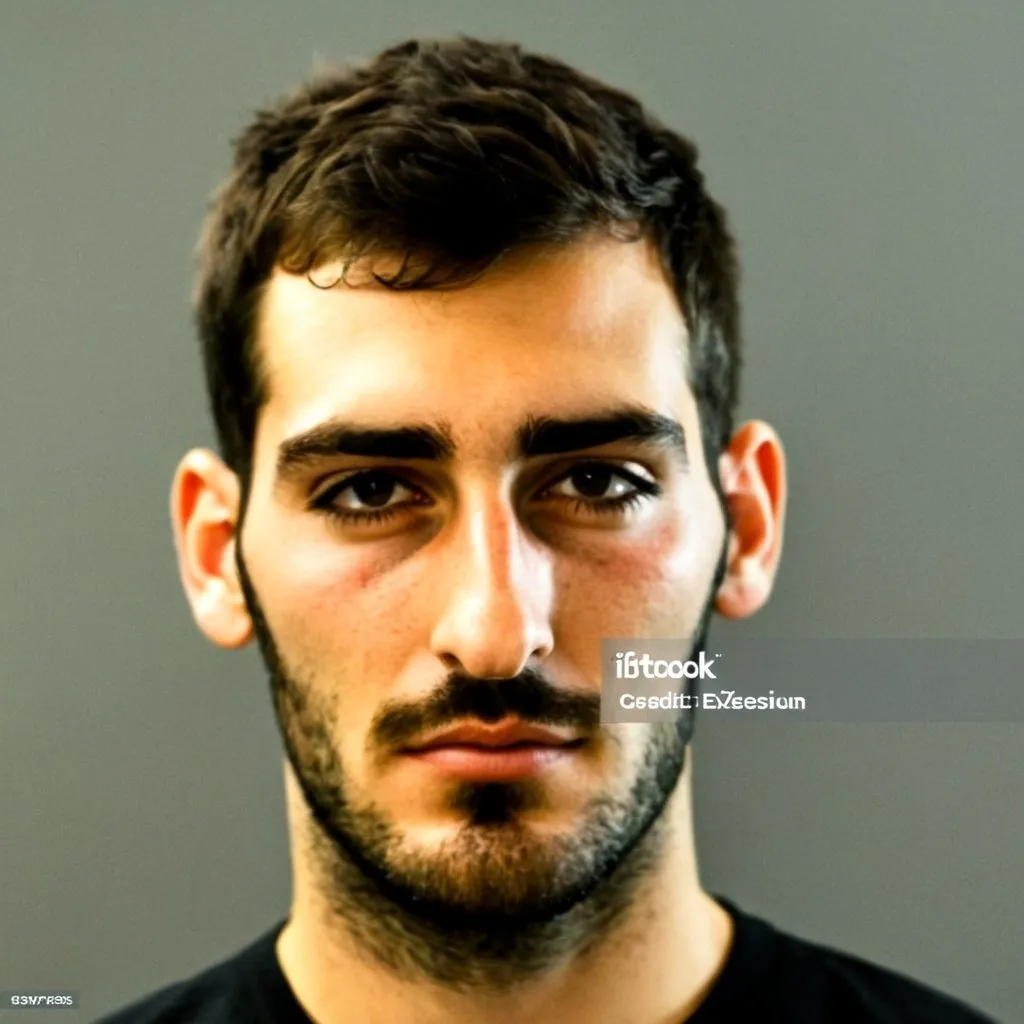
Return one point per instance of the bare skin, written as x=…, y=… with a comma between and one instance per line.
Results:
x=492, y=564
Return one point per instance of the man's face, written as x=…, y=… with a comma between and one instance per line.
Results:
x=483, y=593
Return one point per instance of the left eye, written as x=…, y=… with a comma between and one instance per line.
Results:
x=591, y=483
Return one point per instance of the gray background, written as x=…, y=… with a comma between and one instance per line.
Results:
x=871, y=157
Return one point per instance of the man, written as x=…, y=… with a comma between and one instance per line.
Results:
x=471, y=334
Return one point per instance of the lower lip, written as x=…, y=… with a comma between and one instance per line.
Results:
x=495, y=764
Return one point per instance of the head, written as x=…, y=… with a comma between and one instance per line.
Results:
x=471, y=335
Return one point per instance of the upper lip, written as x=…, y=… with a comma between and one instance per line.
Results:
x=502, y=734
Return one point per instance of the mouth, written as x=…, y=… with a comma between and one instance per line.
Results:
x=504, y=752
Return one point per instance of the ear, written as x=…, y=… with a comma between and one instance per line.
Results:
x=752, y=470
x=205, y=499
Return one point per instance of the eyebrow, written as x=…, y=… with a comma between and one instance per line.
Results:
x=537, y=435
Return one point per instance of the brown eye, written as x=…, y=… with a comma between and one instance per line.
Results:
x=368, y=498
x=372, y=489
x=601, y=488
x=593, y=481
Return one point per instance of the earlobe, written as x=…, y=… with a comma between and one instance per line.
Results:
x=204, y=504
x=752, y=471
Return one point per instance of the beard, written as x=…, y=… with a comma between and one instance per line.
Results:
x=495, y=903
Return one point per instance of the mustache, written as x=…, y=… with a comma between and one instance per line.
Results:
x=528, y=696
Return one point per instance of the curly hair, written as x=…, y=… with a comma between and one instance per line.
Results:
x=451, y=154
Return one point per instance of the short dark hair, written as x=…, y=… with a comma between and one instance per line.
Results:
x=452, y=154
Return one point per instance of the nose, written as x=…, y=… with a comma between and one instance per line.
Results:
x=494, y=594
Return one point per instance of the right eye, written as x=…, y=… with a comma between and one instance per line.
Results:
x=371, y=488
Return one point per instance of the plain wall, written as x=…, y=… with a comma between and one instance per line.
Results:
x=870, y=156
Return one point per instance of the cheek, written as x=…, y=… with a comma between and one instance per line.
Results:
x=337, y=600
x=661, y=558
x=654, y=585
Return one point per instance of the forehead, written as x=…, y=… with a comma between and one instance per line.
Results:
x=588, y=322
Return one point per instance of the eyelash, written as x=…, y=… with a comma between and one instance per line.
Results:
x=645, y=489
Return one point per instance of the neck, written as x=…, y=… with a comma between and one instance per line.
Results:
x=653, y=965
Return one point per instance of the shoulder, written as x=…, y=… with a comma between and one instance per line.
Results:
x=878, y=993
x=195, y=1000
x=811, y=981
x=219, y=993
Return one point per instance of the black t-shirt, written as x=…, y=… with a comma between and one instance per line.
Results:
x=769, y=977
